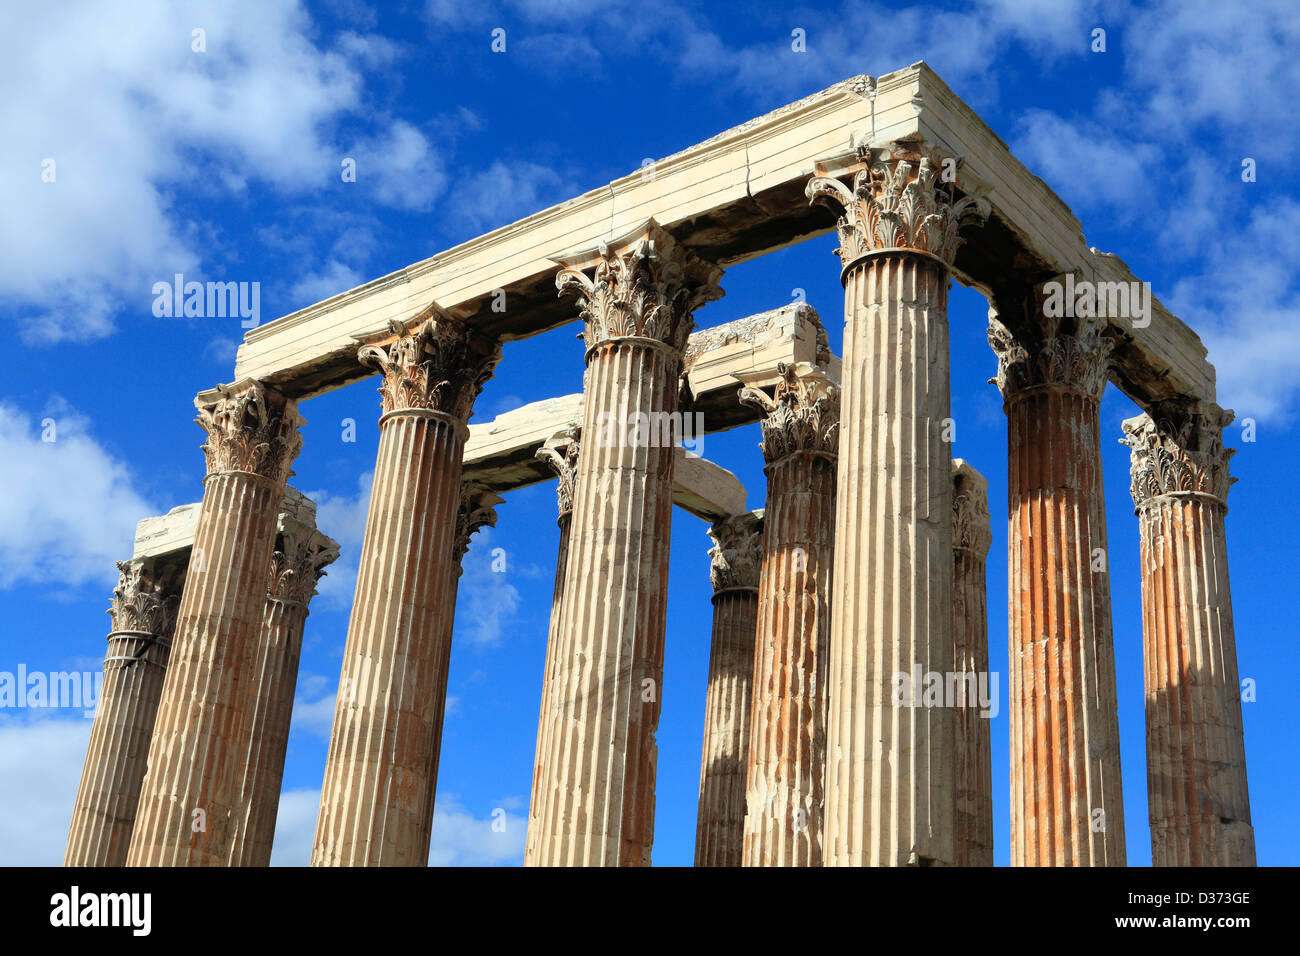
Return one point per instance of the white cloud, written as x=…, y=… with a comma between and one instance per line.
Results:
x=487, y=601
x=68, y=508
x=329, y=280
x=506, y=192
x=459, y=837
x=343, y=518
x=313, y=705
x=128, y=112
x=40, y=768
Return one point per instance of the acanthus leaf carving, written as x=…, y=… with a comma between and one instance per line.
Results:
x=647, y=288
x=477, y=508
x=1167, y=458
x=297, y=568
x=251, y=428
x=803, y=413
x=1078, y=361
x=146, y=598
x=895, y=202
x=736, y=557
x=560, y=451
x=435, y=361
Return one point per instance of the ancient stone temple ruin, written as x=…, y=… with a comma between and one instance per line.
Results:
x=867, y=561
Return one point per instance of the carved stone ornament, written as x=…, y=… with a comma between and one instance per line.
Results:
x=737, y=552
x=903, y=197
x=648, y=287
x=435, y=361
x=146, y=599
x=297, y=569
x=477, y=508
x=1080, y=361
x=251, y=428
x=561, y=452
x=802, y=415
x=1164, y=459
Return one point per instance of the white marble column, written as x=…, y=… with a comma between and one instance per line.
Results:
x=595, y=777
x=377, y=797
x=191, y=796
x=1197, y=797
x=890, y=797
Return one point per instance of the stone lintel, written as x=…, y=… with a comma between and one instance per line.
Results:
x=731, y=198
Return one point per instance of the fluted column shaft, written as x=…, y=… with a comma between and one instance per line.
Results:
x=889, y=778
x=139, y=646
x=191, y=795
x=786, y=773
x=596, y=775
x=971, y=540
x=1066, y=798
x=720, y=814
x=889, y=786
x=1198, y=799
x=377, y=797
x=561, y=453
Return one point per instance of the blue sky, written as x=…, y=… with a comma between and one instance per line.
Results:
x=225, y=165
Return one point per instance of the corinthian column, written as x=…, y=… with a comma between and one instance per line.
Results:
x=298, y=563
x=889, y=785
x=787, y=750
x=595, y=780
x=560, y=451
x=1066, y=802
x=143, y=613
x=191, y=796
x=1196, y=755
x=736, y=555
x=971, y=537
x=377, y=797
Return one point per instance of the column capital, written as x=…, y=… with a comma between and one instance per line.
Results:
x=298, y=565
x=477, y=508
x=1178, y=459
x=1077, y=361
x=146, y=598
x=803, y=413
x=560, y=451
x=645, y=285
x=251, y=428
x=905, y=196
x=971, y=529
x=434, y=361
x=737, y=552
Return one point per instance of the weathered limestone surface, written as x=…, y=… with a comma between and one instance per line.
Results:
x=731, y=198
x=787, y=749
x=190, y=797
x=890, y=797
x=596, y=781
x=298, y=563
x=736, y=556
x=377, y=797
x=143, y=612
x=1066, y=800
x=560, y=453
x=1198, y=800
x=971, y=537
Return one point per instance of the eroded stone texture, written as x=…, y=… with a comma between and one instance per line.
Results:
x=735, y=559
x=560, y=453
x=377, y=797
x=971, y=537
x=143, y=612
x=889, y=783
x=595, y=781
x=1198, y=800
x=787, y=750
x=298, y=563
x=1066, y=799
x=191, y=795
